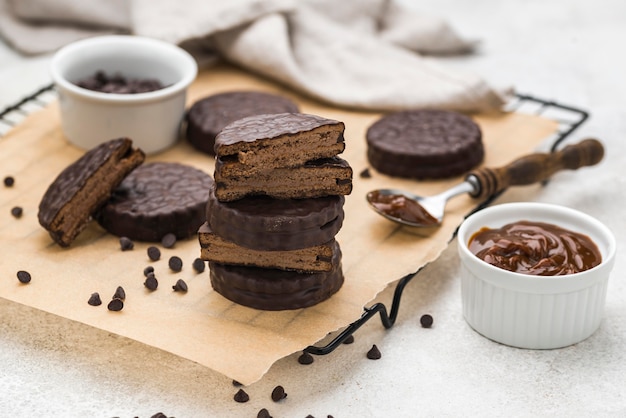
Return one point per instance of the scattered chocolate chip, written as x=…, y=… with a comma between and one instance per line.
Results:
x=94, y=299
x=151, y=282
x=116, y=305
x=241, y=396
x=278, y=393
x=168, y=240
x=365, y=174
x=126, y=244
x=159, y=415
x=17, y=211
x=154, y=253
x=263, y=413
x=180, y=286
x=426, y=321
x=236, y=383
x=119, y=293
x=374, y=353
x=329, y=416
x=23, y=276
x=175, y=263
x=148, y=270
x=349, y=339
x=199, y=265
x=305, y=358
x=9, y=181
x=309, y=416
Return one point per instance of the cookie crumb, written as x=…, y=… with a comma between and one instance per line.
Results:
x=278, y=393
x=151, y=282
x=9, y=181
x=116, y=305
x=305, y=358
x=199, y=265
x=374, y=353
x=241, y=396
x=23, y=276
x=180, y=286
x=168, y=240
x=175, y=263
x=94, y=299
x=426, y=320
x=154, y=253
x=17, y=211
x=126, y=244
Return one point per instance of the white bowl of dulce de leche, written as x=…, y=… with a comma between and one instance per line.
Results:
x=534, y=275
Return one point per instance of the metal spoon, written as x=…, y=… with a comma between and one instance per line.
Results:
x=482, y=183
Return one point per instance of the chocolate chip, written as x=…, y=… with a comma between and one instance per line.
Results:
x=199, y=265
x=241, y=396
x=126, y=244
x=159, y=415
x=263, y=413
x=148, y=270
x=168, y=240
x=9, y=181
x=180, y=286
x=119, y=293
x=278, y=393
x=349, y=339
x=305, y=358
x=23, y=276
x=236, y=383
x=426, y=321
x=116, y=305
x=94, y=299
x=365, y=174
x=17, y=211
x=154, y=253
x=175, y=263
x=374, y=353
x=151, y=282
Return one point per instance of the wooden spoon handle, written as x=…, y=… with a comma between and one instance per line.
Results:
x=537, y=167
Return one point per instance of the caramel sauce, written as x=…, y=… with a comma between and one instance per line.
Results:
x=401, y=207
x=535, y=248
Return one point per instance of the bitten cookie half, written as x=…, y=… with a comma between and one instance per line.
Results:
x=276, y=141
x=157, y=199
x=83, y=187
x=424, y=144
x=209, y=115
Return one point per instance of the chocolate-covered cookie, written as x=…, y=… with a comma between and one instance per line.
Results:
x=208, y=116
x=275, y=290
x=263, y=223
x=158, y=199
x=305, y=260
x=84, y=186
x=424, y=144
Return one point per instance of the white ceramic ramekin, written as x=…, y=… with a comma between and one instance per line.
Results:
x=529, y=311
x=152, y=120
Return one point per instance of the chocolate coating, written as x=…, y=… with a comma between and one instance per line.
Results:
x=157, y=199
x=208, y=116
x=264, y=223
x=424, y=144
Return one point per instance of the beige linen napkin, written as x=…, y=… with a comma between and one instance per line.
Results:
x=365, y=54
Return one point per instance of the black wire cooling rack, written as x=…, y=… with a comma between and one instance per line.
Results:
x=569, y=119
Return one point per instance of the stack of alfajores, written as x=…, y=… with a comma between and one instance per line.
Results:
x=275, y=209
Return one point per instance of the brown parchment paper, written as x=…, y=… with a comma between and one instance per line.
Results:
x=201, y=325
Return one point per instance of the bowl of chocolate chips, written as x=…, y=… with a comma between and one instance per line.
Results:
x=122, y=86
x=534, y=275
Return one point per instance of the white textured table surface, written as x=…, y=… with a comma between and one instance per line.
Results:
x=566, y=50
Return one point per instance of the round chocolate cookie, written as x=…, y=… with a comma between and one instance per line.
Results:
x=157, y=199
x=263, y=223
x=208, y=116
x=424, y=144
x=274, y=290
